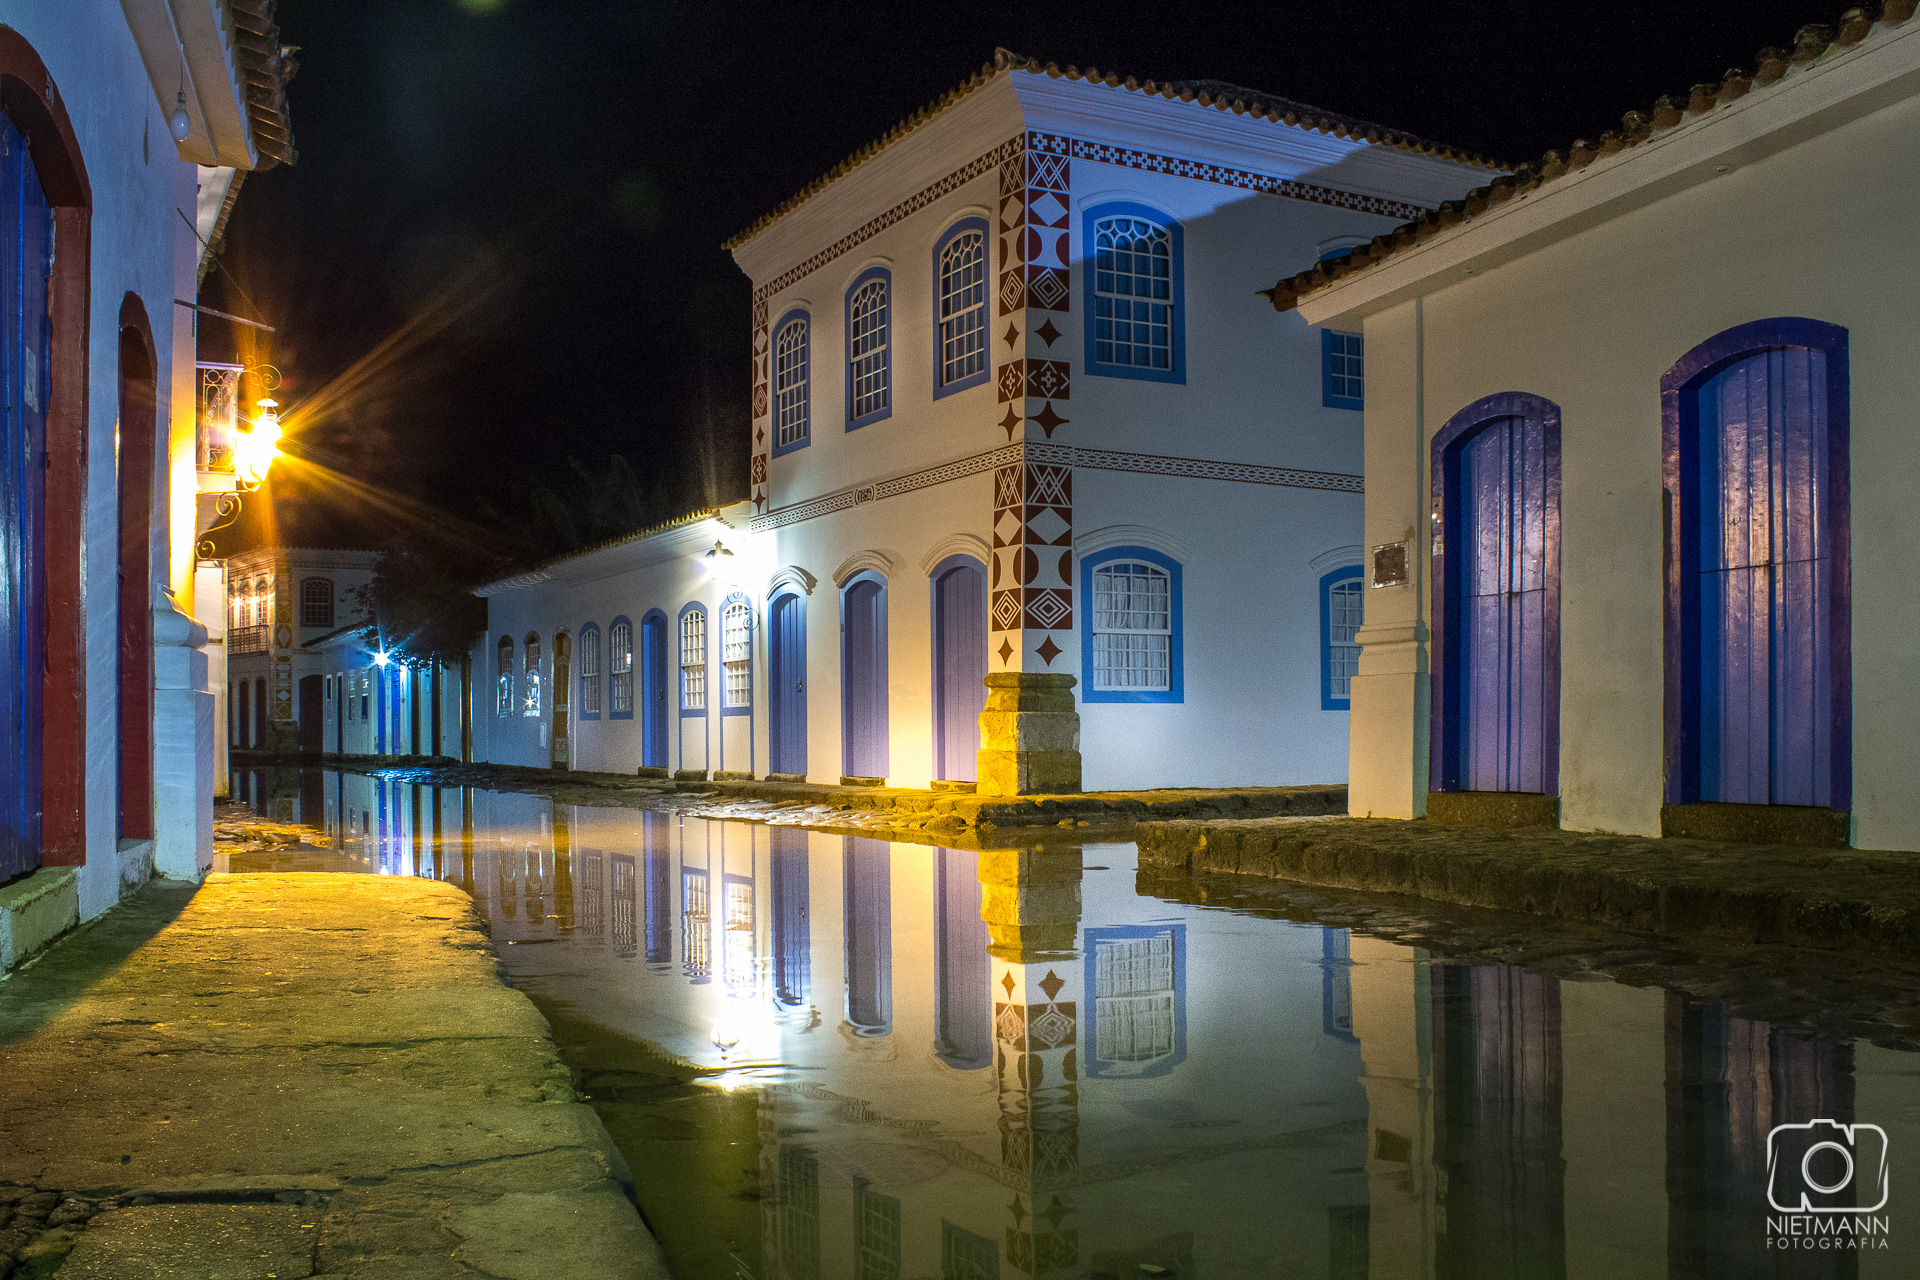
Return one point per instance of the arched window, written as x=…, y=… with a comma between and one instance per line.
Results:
x=503, y=699
x=530, y=688
x=1133, y=294
x=316, y=602
x=736, y=652
x=792, y=385
x=869, y=348
x=693, y=659
x=1341, y=593
x=620, y=666
x=589, y=659
x=1132, y=648
x=960, y=317
x=262, y=602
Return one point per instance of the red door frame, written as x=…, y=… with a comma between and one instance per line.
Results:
x=28, y=93
x=139, y=425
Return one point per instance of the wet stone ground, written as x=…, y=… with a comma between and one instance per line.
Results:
x=74, y=1233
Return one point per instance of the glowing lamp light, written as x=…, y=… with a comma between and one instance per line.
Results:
x=255, y=450
x=724, y=1037
x=381, y=659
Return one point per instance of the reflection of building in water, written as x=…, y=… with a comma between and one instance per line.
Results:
x=1496, y=1055
x=696, y=938
x=737, y=939
x=659, y=891
x=592, y=877
x=962, y=995
x=876, y=1234
x=966, y=1256
x=788, y=883
x=1336, y=983
x=796, y=1215
x=1729, y=1082
x=626, y=909
x=868, y=880
x=1135, y=973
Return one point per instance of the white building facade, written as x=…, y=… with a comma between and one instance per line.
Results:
x=1640, y=466
x=1016, y=417
x=109, y=724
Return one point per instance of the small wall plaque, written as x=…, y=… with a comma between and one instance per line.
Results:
x=1390, y=565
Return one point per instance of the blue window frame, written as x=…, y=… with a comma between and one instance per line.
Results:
x=693, y=660
x=869, y=317
x=1342, y=364
x=1136, y=317
x=620, y=669
x=1135, y=1019
x=1341, y=594
x=960, y=307
x=1130, y=647
x=792, y=383
x=587, y=655
x=736, y=656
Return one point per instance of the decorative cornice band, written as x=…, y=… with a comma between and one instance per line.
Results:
x=1081, y=149
x=1086, y=459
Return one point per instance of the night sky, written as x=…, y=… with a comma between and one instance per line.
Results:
x=501, y=245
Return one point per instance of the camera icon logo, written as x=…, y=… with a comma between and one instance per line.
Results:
x=1826, y=1167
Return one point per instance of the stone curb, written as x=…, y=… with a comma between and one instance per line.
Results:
x=1852, y=900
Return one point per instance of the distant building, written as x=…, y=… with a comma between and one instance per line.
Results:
x=1017, y=418
x=1640, y=468
x=106, y=715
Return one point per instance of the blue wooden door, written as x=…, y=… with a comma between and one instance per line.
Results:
x=1756, y=588
x=26, y=241
x=1500, y=696
x=653, y=692
x=959, y=668
x=787, y=642
x=864, y=679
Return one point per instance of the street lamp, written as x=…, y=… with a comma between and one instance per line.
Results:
x=254, y=450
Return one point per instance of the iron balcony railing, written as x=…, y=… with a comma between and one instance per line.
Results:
x=248, y=640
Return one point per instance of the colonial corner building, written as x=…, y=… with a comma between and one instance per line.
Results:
x=1043, y=496
x=1639, y=423
x=123, y=128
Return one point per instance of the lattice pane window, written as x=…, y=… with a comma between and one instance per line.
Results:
x=963, y=308
x=620, y=666
x=1133, y=293
x=790, y=382
x=503, y=704
x=1133, y=999
x=739, y=933
x=736, y=653
x=867, y=350
x=590, y=672
x=1345, y=365
x=1343, y=624
x=530, y=687
x=693, y=660
x=316, y=602
x=696, y=936
x=262, y=602
x=1132, y=627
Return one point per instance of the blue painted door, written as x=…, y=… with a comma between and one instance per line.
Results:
x=1501, y=683
x=962, y=982
x=26, y=241
x=787, y=728
x=1756, y=589
x=959, y=669
x=792, y=938
x=653, y=693
x=864, y=679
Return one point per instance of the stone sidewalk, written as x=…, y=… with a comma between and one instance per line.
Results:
x=1838, y=899
x=296, y=1075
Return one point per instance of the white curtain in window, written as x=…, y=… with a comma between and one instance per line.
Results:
x=693, y=660
x=736, y=652
x=1132, y=627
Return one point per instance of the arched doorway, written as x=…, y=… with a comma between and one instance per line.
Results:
x=787, y=653
x=1758, y=632
x=653, y=690
x=959, y=665
x=863, y=676
x=1496, y=586
x=562, y=700
x=138, y=423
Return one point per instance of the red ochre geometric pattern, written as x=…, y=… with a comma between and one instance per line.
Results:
x=1035, y=224
x=1031, y=578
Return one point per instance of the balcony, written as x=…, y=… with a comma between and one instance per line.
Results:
x=248, y=640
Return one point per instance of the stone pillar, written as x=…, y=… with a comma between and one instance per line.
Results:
x=1030, y=901
x=183, y=746
x=1029, y=735
x=1030, y=732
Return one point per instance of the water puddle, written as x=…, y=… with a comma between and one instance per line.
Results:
x=831, y=1057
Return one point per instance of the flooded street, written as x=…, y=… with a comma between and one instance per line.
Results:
x=832, y=1057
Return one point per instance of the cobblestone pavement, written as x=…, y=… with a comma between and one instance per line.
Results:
x=290, y=1076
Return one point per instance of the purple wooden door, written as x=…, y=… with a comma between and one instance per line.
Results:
x=26, y=235
x=863, y=679
x=1498, y=609
x=959, y=666
x=1759, y=583
x=787, y=645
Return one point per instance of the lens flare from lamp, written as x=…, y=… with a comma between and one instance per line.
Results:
x=255, y=450
x=381, y=659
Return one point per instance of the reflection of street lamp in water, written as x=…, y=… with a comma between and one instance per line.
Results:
x=725, y=1036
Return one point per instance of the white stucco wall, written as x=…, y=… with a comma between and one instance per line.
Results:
x=1823, y=230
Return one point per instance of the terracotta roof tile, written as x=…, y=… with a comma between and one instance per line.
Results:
x=1218, y=94
x=1810, y=44
x=266, y=65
